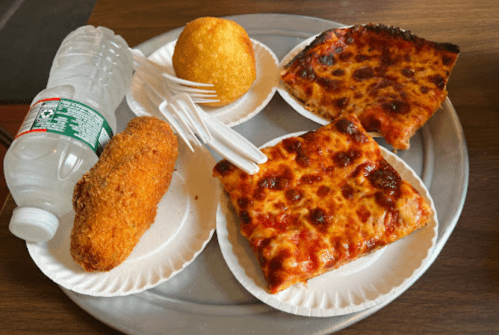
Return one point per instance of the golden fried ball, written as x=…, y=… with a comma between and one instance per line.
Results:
x=217, y=51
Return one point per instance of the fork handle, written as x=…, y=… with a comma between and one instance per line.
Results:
x=234, y=141
x=233, y=157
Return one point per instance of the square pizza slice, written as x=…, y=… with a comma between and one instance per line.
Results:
x=321, y=200
x=391, y=79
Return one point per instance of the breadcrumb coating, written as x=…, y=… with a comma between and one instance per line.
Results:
x=117, y=200
x=217, y=51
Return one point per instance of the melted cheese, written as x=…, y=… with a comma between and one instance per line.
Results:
x=392, y=80
x=321, y=200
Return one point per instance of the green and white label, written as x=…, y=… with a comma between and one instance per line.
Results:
x=70, y=118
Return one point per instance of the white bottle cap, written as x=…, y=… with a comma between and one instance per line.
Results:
x=33, y=224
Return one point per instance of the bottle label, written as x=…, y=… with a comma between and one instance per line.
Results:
x=70, y=118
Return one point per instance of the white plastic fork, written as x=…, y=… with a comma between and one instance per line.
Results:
x=191, y=122
x=174, y=84
x=224, y=140
x=172, y=112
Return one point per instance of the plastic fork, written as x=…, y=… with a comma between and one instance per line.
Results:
x=191, y=122
x=173, y=112
x=224, y=140
x=174, y=84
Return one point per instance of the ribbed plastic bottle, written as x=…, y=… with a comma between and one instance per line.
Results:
x=66, y=128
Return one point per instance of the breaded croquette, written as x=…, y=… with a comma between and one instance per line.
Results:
x=117, y=200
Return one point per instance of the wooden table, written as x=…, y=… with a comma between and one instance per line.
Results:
x=459, y=294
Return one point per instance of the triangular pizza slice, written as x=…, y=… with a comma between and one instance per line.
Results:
x=391, y=79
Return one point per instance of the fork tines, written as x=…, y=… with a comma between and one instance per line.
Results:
x=174, y=84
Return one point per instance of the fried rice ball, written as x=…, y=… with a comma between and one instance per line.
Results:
x=216, y=51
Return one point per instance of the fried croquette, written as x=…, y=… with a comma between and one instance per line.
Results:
x=117, y=200
x=217, y=51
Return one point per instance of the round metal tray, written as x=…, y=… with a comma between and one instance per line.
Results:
x=205, y=298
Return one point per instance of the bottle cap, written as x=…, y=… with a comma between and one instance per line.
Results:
x=33, y=224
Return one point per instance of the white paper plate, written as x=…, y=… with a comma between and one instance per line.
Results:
x=241, y=110
x=356, y=286
x=290, y=98
x=185, y=223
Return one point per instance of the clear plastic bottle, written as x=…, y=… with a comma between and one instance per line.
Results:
x=68, y=124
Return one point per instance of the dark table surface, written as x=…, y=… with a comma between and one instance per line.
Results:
x=459, y=294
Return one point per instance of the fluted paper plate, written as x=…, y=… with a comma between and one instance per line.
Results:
x=356, y=286
x=185, y=223
x=241, y=110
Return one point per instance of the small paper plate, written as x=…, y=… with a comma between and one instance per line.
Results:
x=351, y=288
x=184, y=224
x=241, y=110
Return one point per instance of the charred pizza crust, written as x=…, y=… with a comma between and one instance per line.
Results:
x=321, y=200
x=391, y=79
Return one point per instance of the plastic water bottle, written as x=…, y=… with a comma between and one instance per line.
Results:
x=66, y=128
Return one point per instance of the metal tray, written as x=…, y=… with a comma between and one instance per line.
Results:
x=205, y=298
